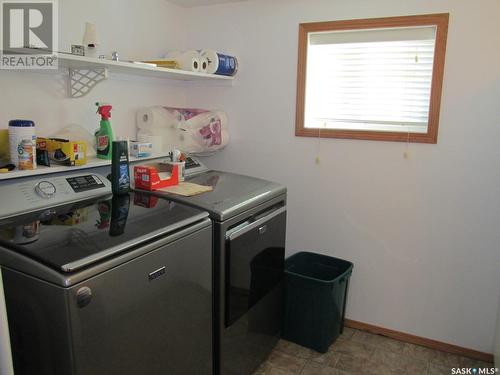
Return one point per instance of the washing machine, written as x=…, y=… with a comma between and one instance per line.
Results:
x=92, y=283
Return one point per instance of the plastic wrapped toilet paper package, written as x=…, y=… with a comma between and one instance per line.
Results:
x=219, y=63
x=195, y=131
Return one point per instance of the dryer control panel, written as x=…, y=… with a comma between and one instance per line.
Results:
x=194, y=166
x=38, y=192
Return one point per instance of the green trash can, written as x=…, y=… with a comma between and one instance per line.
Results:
x=316, y=296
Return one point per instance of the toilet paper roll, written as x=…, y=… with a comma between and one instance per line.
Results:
x=219, y=63
x=204, y=65
x=189, y=60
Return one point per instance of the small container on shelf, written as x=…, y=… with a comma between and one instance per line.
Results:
x=140, y=149
x=156, y=176
x=181, y=165
x=22, y=142
x=63, y=151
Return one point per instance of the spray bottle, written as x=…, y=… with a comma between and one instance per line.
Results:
x=104, y=136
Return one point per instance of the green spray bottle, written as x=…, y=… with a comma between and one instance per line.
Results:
x=104, y=135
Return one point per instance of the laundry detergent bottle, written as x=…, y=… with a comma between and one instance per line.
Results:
x=104, y=135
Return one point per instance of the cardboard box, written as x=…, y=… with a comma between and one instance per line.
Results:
x=63, y=151
x=140, y=149
x=156, y=176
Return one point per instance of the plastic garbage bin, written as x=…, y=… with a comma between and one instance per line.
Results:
x=316, y=295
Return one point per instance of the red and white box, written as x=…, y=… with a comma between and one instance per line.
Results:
x=156, y=176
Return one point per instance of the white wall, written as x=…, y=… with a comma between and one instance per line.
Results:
x=136, y=29
x=423, y=233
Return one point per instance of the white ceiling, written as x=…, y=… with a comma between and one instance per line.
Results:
x=196, y=3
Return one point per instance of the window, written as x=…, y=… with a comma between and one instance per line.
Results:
x=377, y=79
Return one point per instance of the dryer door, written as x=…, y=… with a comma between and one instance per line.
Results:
x=255, y=253
x=253, y=310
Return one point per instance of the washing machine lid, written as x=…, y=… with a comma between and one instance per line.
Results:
x=232, y=193
x=74, y=236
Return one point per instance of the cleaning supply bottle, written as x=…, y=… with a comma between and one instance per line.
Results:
x=119, y=214
x=120, y=176
x=104, y=136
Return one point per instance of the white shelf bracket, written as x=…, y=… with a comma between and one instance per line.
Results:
x=82, y=81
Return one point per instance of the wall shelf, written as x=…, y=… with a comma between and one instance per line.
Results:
x=83, y=62
x=85, y=72
x=91, y=163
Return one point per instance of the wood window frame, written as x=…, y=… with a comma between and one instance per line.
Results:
x=439, y=20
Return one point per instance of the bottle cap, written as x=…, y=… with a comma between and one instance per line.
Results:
x=22, y=123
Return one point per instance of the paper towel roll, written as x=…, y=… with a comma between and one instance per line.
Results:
x=156, y=117
x=187, y=129
x=144, y=117
x=219, y=63
x=189, y=60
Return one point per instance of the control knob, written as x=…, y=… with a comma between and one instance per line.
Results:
x=45, y=189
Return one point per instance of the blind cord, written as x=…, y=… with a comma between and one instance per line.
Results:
x=406, y=154
x=317, y=160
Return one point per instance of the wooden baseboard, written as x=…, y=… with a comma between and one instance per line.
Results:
x=429, y=343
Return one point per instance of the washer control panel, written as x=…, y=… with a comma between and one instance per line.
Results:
x=83, y=183
x=38, y=192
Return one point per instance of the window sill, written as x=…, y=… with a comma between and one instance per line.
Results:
x=367, y=135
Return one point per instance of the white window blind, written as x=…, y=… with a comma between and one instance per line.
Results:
x=377, y=79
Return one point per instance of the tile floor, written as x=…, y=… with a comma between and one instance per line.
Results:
x=361, y=353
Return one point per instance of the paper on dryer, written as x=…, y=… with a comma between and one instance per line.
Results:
x=187, y=189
